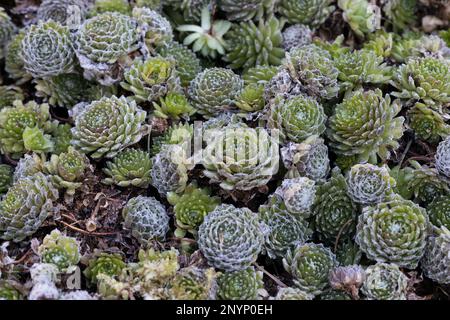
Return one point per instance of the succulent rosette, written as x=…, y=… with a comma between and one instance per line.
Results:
x=103, y=263
x=245, y=284
x=193, y=283
x=131, y=167
x=393, y=231
x=296, y=35
x=436, y=261
x=309, y=12
x=442, y=157
x=59, y=250
x=309, y=265
x=362, y=16
x=240, y=158
x=439, y=211
x=385, y=282
x=62, y=11
x=298, y=195
x=366, y=125
x=427, y=123
x=6, y=177
x=107, y=126
x=231, y=238
x=247, y=9
x=7, y=28
x=290, y=293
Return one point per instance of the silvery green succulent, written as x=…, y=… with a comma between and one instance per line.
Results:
x=427, y=123
x=401, y=13
x=60, y=250
x=28, y=165
x=366, y=125
x=214, y=91
x=308, y=158
x=393, y=231
x=381, y=43
x=296, y=117
x=187, y=63
x=170, y=170
x=174, y=105
x=207, y=39
x=436, y=261
x=103, y=44
x=286, y=230
x=62, y=135
x=239, y=157
x=309, y=265
x=177, y=134
x=102, y=6
x=297, y=35
x=131, y=167
x=308, y=69
x=6, y=177
x=191, y=9
x=8, y=94
x=309, y=12
x=439, y=211
x=63, y=11
x=107, y=126
x=426, y=183
x=334, y=211
x=146, y=218
x=259, y=74
x=362, y=67
x=298, y=195
x=426, y=79
x=247, y=9
x=156, y=29
x=192, y=207
x=369, y=184
x=231, y=238
x=47, y=50
x=7, y=30
x=250, y=44
x=385, y=282
x=348, y=252
x=245, y=284
x=193, y=283
x=251, y=98
x=25, y=206
x=15, y=120
x=67, y=171
x=14, y=64
x=363, y=17
x=442, y=157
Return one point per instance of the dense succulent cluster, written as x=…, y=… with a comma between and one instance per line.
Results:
x=224, y=149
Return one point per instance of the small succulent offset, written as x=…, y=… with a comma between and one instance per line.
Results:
x=191, y=208
x=423, y=78
x=25, y=207
x=47, y=50
x=365, y=125
x=187, y=63
x=103, y=43
x=177, y=134
x=334, y=210
x=67, y=171
x=428, y=124
x=156, y=30
x=6, y=177
x=245, y=284
x=298, y=195
x=251, y=98
x=231, y=238
x=393, y=231
x=59, y=10
x=151, y=79
x=131, y=167
x=214, y=91
x=369, y=184
x=308, y=69
x=174, y=105
x=110, y=264
x=362, y=16
x=385, y=282
x=442, y=157
x=286, y=231
x=240, y=158
x=208, y=37
x=14, y=64
x=401, y=13
x=259, y=74
x=16, y=119
x=309, y=158
x=107, y=126
x=60, y=250
x=296, y=118
x=7, y=28
x=251, y=45
x=436, y=261
x=247, y=9
x=309, y=12
x=309, y=265
x=146, y=218
x=439, y=211
x=193, y=283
